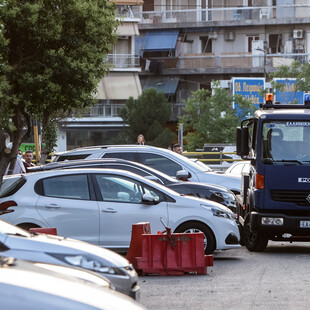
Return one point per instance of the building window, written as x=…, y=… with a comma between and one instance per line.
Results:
x=206, y=44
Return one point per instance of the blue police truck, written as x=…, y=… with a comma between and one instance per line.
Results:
x=274, y=203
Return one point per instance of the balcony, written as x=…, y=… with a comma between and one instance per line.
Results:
x=108, y=110
x=227, y=15
x=123, y=61
x=228, y=62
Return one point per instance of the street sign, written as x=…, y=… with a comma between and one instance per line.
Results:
x=249, y=88
x=289, y=93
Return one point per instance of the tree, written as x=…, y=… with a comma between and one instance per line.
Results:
x=147, y=115
x=51, y=56
x=211, y=118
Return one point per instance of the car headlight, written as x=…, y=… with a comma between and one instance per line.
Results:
x=219, y=212
x=223, y=195
x=89, y=263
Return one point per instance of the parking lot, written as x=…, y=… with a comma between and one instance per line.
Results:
x=275, y=279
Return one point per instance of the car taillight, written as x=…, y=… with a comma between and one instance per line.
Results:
x=6, y=204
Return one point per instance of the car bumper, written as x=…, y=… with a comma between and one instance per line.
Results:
x=228, y=236
x=127, y=283
x=291, y=224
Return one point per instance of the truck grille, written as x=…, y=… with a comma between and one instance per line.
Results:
x=298, y=197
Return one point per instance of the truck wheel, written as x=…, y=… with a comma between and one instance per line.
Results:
x=195, y=227
x=254, y=241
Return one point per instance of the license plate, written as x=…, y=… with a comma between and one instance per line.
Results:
x=304, y=224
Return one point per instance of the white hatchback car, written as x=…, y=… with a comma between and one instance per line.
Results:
x=100, y=207
x=161, y=159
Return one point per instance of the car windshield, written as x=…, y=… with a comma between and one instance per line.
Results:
x=10, y=185
x=8, y=229
x=286, y=142
x=194, y=163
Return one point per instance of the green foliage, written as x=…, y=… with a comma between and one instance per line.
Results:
x=51, y=54
x=147, y=115
x=211, y=118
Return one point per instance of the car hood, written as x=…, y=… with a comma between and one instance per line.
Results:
x=60, y=245
x=190, y=201
x=228, y=181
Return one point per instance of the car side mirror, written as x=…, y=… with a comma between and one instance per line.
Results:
x=183, y=175
x=243, y=141
x=149, y=199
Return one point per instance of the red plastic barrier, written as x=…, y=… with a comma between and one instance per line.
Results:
x=135, y=249
x=173, y=254
x=45, y=230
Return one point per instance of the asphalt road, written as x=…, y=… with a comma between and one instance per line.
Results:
x=278, y=278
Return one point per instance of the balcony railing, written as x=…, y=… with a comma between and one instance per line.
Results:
x=269, y=62
x=123, y=60
x=128, y=11
x=112, y=110
x=225, y=14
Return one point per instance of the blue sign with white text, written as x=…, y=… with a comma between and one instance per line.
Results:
x=249, y=88
x=289, y=93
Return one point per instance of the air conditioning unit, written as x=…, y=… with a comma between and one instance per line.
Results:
x=213, y=35
x=229, y=36
x=298, y=34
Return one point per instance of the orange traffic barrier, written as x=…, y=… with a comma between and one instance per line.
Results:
x=135, y=248
x=44, y=230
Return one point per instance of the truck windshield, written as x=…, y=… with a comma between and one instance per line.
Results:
x=286, y=142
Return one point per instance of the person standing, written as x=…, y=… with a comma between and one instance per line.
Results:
x=140, y=139
x=28, y=157
x=177, y=148
x=19, y=166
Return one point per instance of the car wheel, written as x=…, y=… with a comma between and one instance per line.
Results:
x=254, y=241
x=195, y=227
x=27, y=226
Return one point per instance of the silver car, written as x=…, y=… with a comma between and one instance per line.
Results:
x=35, y=286
x=21, y=244
x=160, y=159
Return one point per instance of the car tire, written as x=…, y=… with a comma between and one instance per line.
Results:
x=254, y=241
x=27, y=226
x=196, y=227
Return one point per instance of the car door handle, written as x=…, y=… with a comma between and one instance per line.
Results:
x=109, y=210
x=52, y=206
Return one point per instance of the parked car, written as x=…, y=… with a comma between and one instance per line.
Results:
x=21, y=244
x=160, y=159
x=238, y=168
x=203, y=190
x=35, y=286
x=100, y=206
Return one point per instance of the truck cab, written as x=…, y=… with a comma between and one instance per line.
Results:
x=274, y=203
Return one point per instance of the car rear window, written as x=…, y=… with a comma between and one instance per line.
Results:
x=124, y=155
x=11, y=185
x=71, y=157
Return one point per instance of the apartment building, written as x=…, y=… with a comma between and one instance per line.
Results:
x=102, y=122
x=179, y=46
x=196, y=41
